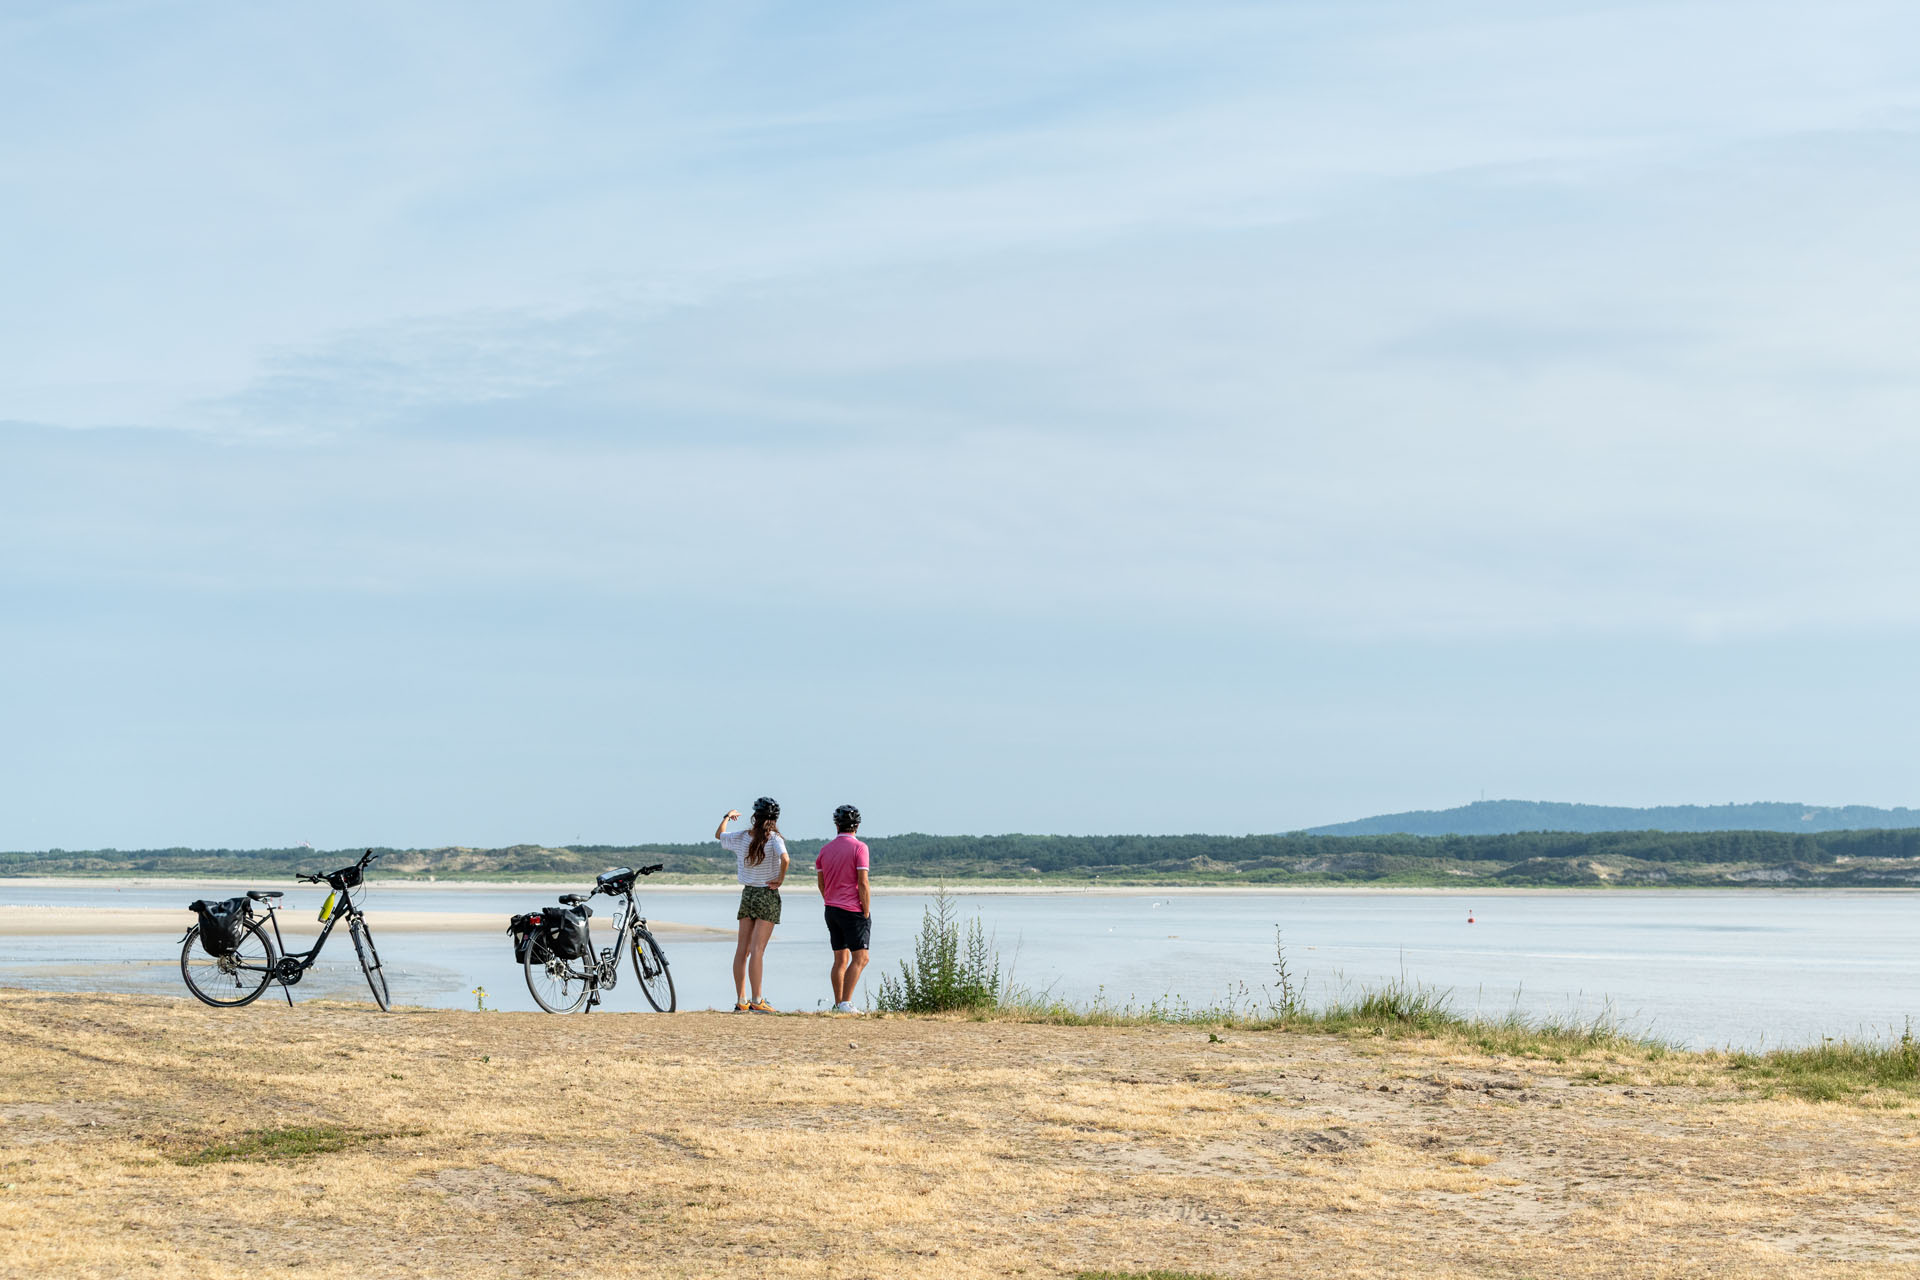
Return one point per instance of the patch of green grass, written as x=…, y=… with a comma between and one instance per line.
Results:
x=292, y=1142
x=1398, y=1009
x=1836, y=1070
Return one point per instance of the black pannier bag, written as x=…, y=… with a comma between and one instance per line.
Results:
x=565, y=930
x=526, y=934
x=222, y=924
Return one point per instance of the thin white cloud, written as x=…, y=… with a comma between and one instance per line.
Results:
x=1340, y=324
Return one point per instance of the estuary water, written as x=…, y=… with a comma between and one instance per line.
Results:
x=1702, y=968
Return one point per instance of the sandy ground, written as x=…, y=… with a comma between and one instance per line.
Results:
x=44, y=922
x=738, y=1145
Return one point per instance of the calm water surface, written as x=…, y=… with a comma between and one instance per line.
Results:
x=1703, y=968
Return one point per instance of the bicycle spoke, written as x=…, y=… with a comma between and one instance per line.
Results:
x=228, y=981
x=370, y=962
x=650, y=966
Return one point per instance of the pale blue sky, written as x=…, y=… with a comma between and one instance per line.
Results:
x=472, y=423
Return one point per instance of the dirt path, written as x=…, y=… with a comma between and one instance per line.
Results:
x=716, y=1145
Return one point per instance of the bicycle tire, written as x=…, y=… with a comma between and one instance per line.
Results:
x=370, y=963
x=647, y=955
x=223, y=982
x=549, y=978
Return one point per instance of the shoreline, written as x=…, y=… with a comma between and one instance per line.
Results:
x=964, y=888
x=62, y=922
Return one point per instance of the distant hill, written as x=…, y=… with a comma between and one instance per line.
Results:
x=1507, y=817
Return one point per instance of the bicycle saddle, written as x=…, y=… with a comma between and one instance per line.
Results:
x=261, y=895
x=572, y=899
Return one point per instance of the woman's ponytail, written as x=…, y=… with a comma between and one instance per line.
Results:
x=757, y=842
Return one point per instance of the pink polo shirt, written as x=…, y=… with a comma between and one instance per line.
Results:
x=840, y=858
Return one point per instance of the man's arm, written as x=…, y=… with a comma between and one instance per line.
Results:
x=866, y=892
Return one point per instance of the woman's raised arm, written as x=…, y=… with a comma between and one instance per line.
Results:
x=722, y=828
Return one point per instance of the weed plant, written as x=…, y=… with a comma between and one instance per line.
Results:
x=947, y=974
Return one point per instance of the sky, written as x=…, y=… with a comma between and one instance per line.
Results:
x=473, y=424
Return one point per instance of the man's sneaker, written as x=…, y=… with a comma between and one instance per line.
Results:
x=739, y=1008
x=761, y=1006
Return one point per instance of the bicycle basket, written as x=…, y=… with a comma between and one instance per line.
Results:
x=346, y=878
x=222, y=924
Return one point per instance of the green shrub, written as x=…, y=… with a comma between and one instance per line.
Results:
x=945, y=976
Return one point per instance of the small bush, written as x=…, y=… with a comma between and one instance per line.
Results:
x=945, y=976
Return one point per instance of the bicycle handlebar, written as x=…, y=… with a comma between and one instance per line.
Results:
x=327, y=877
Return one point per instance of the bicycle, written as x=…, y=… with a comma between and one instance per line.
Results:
x=237, y=978
x=563, y=985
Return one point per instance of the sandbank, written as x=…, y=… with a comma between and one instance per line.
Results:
x=44, y=922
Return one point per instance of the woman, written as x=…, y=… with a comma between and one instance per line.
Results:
x=761, y=855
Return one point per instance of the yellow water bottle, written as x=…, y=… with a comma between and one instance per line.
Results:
x=326, y=911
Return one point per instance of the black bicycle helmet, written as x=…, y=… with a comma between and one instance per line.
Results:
x=846, y=818
x=766, y=807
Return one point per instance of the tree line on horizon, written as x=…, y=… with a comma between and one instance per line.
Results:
x=1538, y=857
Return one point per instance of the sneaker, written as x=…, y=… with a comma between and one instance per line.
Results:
x=761, y=1006
x=845, y=1006
x=739, y=1008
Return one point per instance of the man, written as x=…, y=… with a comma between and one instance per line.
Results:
x=841, y=869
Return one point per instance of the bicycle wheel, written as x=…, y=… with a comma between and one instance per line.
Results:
x=650, y=966
x=228, y=982
x=370, y=962
x=558, y=986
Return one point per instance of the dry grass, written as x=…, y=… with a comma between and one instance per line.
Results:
x=154, y=1137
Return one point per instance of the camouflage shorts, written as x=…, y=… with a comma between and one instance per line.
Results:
x=758, y=902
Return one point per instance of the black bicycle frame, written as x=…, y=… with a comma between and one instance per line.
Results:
x=630, y=923
x=305, y=960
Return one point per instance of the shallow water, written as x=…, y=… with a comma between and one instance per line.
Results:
x=1700, y=967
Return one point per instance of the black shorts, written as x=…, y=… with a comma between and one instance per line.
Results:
x=848, y=930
